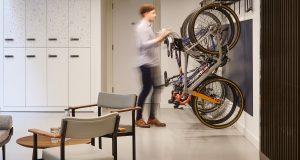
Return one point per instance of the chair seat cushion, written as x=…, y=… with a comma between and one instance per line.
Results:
x=3, y=135
x=77, y=152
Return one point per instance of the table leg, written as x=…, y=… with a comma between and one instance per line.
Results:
x=34, y=154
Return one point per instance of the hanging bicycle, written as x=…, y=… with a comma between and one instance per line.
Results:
x=207, y=35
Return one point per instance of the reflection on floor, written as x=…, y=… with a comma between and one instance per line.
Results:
x=184, y=138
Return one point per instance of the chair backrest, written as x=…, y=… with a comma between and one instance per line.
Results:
x=5, y=122
x=89, y=128
x=116, y=101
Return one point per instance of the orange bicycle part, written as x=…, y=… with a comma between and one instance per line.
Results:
x=178, y=99
x=202, y=96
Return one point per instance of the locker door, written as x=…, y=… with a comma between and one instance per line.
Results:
x=57, y=23
x=35, y=23
x=79, y=76
x=14, y=23
x=36, y=77
x=79, y=23
x=14, y=77
x=57, y=76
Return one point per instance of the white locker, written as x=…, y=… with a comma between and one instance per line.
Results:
x=14, y=77
x=79, y=23
x=36, y=77
x=79, y=76
x=14, y=23
x=57, y=76
x=57, y=23
x=36, y=23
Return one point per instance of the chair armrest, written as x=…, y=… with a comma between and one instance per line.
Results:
x=43, y=133
x=78, y=107
x=125, y=109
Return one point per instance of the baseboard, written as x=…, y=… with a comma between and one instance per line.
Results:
x=240, y=127
x=249, y=135
x=262, y=156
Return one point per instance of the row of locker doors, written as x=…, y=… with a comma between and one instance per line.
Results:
x=47, y=23
x=46, y=77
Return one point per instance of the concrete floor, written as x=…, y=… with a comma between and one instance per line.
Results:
x=184, y=138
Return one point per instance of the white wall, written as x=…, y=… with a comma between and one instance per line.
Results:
x=96, y=46
x=104, y=41
x=173, y=13
x=248, y=124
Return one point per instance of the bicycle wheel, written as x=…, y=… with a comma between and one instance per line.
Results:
x=199, y=28
x=185, y=26
x=222, y=115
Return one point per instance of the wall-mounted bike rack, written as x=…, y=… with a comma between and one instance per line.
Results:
x=248, y=5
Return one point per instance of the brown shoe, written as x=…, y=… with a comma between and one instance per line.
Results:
x=156, y=122
x=141, y=123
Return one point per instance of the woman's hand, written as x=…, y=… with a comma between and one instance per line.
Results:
x=163, y=34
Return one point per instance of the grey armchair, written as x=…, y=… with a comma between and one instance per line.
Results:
x=6, y=131
x=119, y=103
x=81, y=129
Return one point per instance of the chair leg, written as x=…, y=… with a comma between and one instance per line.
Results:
x=3, y=152
x=93, y=141
x=133, y=148
x=100, y=142
x=115, y=148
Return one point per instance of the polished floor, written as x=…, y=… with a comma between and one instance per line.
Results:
x=184, y=138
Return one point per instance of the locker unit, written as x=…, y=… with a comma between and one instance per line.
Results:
x=36, y=77
x=57, y=23
x=79, y=23
x=57, y=76
x=79, y=76
x=35, y=23
x=14, y=23
x=14, y=77
x=47, y=53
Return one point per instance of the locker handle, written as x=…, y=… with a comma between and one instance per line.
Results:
x=9, y=39
x=74, y=39
x=9, y=56
x=74, y=56
x=52, y=39
x=30, y=56
x=30, y=39
x=52, y=56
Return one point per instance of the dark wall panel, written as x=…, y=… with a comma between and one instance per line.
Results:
x=240, y=67
x=279, y=79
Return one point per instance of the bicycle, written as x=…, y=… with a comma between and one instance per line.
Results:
x=217, y=102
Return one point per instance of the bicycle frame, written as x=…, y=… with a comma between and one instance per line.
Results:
x=189, y=90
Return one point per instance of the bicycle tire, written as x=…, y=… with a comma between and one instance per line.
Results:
x=233, y=22
x=185, y=25
x=235, y=110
